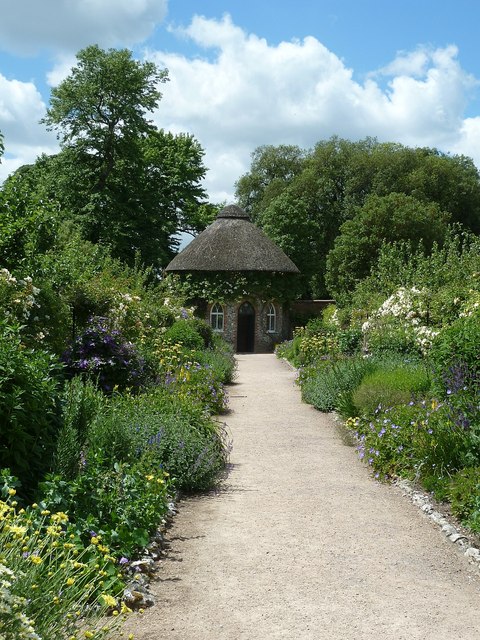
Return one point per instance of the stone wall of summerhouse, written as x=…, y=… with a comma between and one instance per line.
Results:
x=264, y=341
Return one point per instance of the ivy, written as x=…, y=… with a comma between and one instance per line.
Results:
x=225, y=286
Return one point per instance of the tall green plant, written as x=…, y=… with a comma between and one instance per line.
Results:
x=29, y=408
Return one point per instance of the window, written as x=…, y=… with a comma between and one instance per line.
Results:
x=271, y=319
x=216, y=317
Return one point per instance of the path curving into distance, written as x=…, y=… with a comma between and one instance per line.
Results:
x=301, y=543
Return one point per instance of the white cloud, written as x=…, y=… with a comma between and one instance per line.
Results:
x=21, y=107
x=240, y=92
x=469, y=141
x=30, y=26
x=245, y=92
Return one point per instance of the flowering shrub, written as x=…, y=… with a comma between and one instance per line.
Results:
x=400, y=323
x=102, y=354
x=18, y=298
x=52, y=584
x=14, y=624
x=190, y=379
x=419, y=439
x=464, y=493
x=125, y=503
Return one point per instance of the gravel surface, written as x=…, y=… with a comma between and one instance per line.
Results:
x=301, y=543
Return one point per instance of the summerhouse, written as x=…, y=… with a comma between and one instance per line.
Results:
x=240, y=281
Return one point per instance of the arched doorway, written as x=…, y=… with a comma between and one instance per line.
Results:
x=246, y=328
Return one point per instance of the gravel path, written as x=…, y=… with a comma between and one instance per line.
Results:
x=301, y=543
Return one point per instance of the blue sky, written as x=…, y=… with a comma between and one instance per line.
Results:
x=245, y=73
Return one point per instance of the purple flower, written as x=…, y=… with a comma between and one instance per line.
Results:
x=123, y=560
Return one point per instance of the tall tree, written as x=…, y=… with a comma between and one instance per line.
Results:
x=303, y=210
x=388, y=219
x=271, y=171
x=128, y=185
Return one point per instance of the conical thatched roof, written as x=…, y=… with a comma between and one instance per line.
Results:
x=232, y=243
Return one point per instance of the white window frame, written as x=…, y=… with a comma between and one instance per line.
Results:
x=271, y=319
x=217, y=317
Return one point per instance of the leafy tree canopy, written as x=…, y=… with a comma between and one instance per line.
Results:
x=128, y=184
x=301, y=198
x=387, y=219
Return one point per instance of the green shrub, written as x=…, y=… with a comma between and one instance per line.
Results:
x=184, y=440
x=454, y=358
x=389, y=387
x=122, y=505
x=328, y=385
x=220, y=358
x=464, y=494
x=186, y=333
x=29, y=409
x=80, y=404
x=204, y=330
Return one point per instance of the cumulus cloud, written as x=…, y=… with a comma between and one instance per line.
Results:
x=244, y=92
x=21, y=107
x=239, y=91
x=30, y=26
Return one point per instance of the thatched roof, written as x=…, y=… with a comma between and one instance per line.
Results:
x=232, y=243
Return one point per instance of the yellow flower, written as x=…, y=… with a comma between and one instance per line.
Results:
x=35, y=559
x=45, y=512
x=125, y=609
x=12, y=492
x=115, y=613
x=70, y=581
x=89, y=634
x=108, y=600
x=94, y=540
x=150, y=477
x=34, y=505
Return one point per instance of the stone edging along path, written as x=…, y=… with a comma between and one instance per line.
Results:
x=460, y=538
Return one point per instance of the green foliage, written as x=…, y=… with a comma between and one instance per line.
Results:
x=29, y=408
x=457, y=345
x=382, y=219
x=226, y=286
x=96, y=502
x=81, y=402
x=389, y=387
x=271, y=171
x=51, y=582
x=185, y=332
x=321, y=339
x=172, y=428
x=128, y=185
x=220, y=358
x=464, y=494
x=302, y=198
x=28, y=224
x=326, y=386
